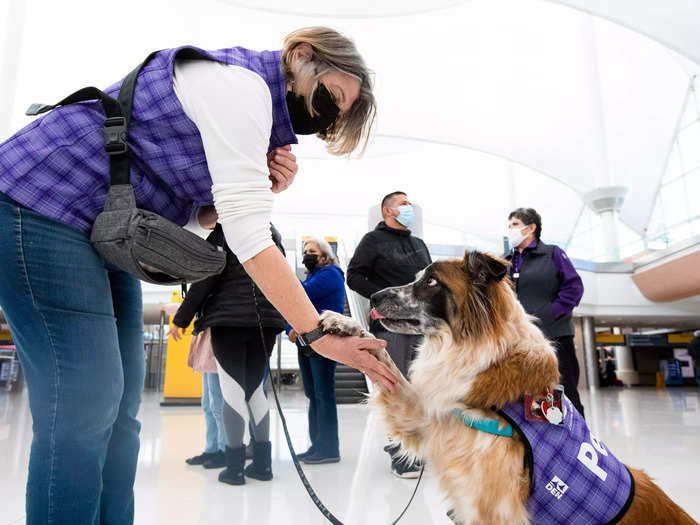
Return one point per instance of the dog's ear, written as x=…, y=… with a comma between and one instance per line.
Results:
x=483, y=268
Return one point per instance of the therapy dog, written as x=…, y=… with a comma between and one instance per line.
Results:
x=464, y=410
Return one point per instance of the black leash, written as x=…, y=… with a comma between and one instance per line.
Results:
x=420, y=476
x=304, y=480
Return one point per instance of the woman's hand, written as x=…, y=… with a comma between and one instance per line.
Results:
x=283, y=168
x=352, y=351
x=276, y=279
x=207, y=217
x=175, y=332
x=292, y=336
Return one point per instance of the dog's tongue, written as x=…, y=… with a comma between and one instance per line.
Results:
x=375, y=315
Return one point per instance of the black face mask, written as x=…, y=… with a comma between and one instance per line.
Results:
x=310, y=260
x=302, y=122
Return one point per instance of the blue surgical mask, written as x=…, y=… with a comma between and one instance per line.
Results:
x=405, y=216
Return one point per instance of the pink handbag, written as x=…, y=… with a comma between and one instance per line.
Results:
x=201, y=357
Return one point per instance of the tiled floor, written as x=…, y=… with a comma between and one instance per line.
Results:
x=658, y=430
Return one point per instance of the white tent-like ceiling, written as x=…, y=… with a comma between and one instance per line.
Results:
x=484, y=105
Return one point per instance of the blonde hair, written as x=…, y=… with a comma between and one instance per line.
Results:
x=325, y=249
x=334, y=51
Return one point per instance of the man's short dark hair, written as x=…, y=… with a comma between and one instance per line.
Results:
x=388, y=197
x=528, y=216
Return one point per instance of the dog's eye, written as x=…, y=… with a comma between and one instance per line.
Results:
x=431, y=282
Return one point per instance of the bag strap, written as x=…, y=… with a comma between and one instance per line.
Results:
x=126, y=92
x=118, y=116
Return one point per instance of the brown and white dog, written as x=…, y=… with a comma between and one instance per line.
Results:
x=481, y=350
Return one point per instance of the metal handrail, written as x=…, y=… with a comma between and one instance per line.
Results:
x=359, y=306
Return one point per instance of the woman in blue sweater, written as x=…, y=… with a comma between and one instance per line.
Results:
x=325, y=286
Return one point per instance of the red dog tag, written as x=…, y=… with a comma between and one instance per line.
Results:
x=533, y=409
x=546, y=407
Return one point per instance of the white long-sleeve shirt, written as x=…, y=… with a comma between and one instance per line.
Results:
x=232, y=108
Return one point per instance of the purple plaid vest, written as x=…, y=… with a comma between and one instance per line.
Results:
x=57, y=165
x=574, y=478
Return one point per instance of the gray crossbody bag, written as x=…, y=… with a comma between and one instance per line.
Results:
x=138, y=241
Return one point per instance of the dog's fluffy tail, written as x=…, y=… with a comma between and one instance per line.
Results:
x=652, y=506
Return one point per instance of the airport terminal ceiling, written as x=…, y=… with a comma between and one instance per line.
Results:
x=483, y=105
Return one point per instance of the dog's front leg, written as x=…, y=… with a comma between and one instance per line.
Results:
x=401, y=409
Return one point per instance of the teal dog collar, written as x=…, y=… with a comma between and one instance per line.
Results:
x=485, y=424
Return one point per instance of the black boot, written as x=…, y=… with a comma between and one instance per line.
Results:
x=261, y=467
x=233, y=473
x=199, y=460
x=217, y=460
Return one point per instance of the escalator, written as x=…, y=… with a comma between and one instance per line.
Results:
x=350, y=385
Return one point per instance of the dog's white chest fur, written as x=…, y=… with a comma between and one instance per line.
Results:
x=443, y=373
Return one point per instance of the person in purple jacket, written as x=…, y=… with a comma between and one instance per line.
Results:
x=209, y=140
x=549, y=288
x=325, y=286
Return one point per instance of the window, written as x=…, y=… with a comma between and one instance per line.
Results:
x=588, y=239
x=689, y=145
x=673, y=202
x=676, y=214
x=692, y=188
x=673, y=170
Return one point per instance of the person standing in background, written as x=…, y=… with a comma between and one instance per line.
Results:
x=549, y=288
x=390, y=256
x=325, y=286
x=201, y=360
x=228, y=307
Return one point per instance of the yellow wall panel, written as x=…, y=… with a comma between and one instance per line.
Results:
x=181, y=383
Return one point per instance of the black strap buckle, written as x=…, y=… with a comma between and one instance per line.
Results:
x=115, y=135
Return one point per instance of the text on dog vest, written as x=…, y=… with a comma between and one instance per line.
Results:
x=589, y=457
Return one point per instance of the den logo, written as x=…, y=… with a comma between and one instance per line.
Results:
x=557, y=487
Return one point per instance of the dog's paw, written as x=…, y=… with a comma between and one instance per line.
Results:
x=383, y=357
x=334, y=323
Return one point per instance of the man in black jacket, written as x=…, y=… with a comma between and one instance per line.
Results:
x=390, y=256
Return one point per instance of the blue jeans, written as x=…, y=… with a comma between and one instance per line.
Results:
x=318, y=376
x=212, y=403
x=78, y=327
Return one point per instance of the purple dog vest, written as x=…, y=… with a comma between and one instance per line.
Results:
x=574, y=478
x=57, y=165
